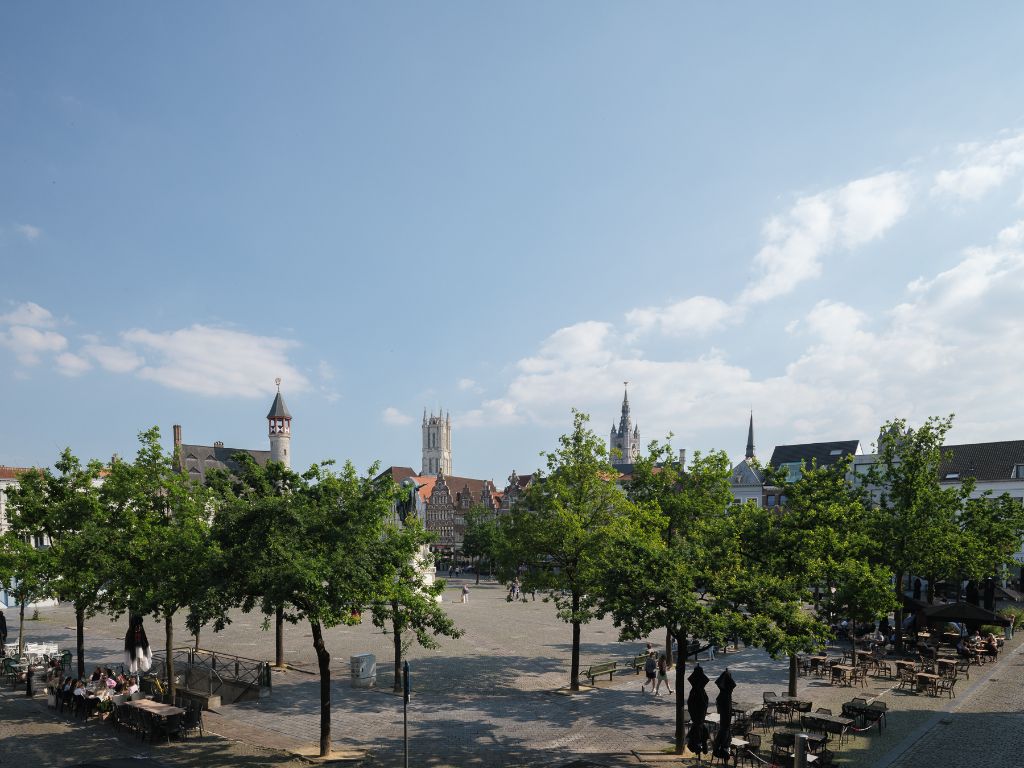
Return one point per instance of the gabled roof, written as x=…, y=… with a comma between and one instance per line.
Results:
x=823, y=453
x=195, y=460
x=982, y=461
x=745, y=473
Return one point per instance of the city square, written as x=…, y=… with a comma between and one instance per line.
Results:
x=491, y=698
x=314, y=318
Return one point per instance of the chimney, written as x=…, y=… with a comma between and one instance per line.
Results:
x=682, y=458
x=218, y=444
x=177, y=435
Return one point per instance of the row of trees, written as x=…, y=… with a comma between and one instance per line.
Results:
x=670, y=550
x=139, y=537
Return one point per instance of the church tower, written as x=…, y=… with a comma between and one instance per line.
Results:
x=750, y=438
x=626, y=438
x=280, y=424
x=437, y=444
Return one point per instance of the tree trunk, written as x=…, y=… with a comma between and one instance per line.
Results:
x=21, y=625
x=574, y=667
x=931, y=590
x=479, y=562
x=680, y=735
x=196, y=636
x=279, y=638
x=396, y=628
x=899, y=611
x=169, y=632
x=793, y=670
x=80, y=640
x=668, y=648
x=323, y=658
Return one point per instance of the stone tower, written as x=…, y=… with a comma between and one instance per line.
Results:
x=626, y=438
x=437, y=444
x=280, y=424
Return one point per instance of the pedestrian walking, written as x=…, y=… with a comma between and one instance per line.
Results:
x=465, y=593
x=650, y=672
x=662, y=675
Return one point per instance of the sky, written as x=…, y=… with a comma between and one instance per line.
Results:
x=813, y=212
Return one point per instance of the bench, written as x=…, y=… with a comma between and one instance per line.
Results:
x=695, y=649
x=605, y=668
x=638, y=662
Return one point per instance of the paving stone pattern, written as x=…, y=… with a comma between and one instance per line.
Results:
x=489, y=697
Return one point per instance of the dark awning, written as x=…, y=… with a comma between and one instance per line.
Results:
x=964, y=612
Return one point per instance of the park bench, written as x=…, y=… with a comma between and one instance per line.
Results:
x=695, y=649
x=605, y=668
x=638, y=662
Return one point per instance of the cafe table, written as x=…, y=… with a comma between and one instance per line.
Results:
x=926, y=680
x=842, y=672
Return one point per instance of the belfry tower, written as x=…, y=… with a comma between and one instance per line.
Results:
x=280, y=426
x=437, y=444
x=626, y=439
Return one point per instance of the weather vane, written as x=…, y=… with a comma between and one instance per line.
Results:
x=278, y=382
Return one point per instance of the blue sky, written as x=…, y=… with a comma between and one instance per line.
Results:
x=507, y=210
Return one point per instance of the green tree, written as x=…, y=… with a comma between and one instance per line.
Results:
x=166, y=553
x=412, y=608
x=481, y=539
x=317, y=552
x=678, y=562
x=823, y=539
x=65, y=506
x=27, y=568
x=560, y=528
x=916, y=517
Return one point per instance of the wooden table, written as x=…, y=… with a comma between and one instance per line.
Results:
x=927, y=680
x=156, y=708
x=946, y=665
x=845, y=671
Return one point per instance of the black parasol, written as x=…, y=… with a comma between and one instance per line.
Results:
x=723, y=739
x=137, y=656
x=697, y=704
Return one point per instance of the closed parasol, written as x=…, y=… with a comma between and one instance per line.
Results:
x=723, y=739
x=697, y=704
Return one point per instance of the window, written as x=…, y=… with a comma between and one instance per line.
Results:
x=771, y=500
x=836, y=452
x=1018, y=471
x=861, y=469
x=782, y=500
x=952, y=476
x=793, y=472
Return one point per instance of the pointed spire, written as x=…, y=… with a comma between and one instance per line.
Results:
x=750, y=437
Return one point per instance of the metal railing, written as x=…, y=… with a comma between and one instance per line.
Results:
x=219, y=669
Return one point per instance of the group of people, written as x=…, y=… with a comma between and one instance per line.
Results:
x=978, y=645
x=86, y=696
x=655, y=672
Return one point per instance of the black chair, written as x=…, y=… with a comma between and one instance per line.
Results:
x=782, y=742
x=193, y=720
x=752, y=752
x=823, y=711
x=163, y=727
x=875, y=713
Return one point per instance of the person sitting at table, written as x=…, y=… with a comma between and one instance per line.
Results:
x=962, y=650
x=110, y=678
x=96, y=673
x=133, y=685
x=120, y=684
x=991, y=646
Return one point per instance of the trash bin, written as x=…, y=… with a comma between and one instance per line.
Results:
x=364, y=670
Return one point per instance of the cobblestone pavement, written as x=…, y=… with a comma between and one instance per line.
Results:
x=489, y=697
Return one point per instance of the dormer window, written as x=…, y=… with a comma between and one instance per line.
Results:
x=836, y=452
x=1018, y=472
x=952, y=476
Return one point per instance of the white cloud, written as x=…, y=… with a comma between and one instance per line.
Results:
x=395, y=418
x=216, y=361
x=29, y=343
x=113, y=359
x=984, y=167
x=468, y=385
x=949, y=345
x=696, y=315
x=847, y=217
x=72, y=365
x=28, y=313
x=29, y=232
